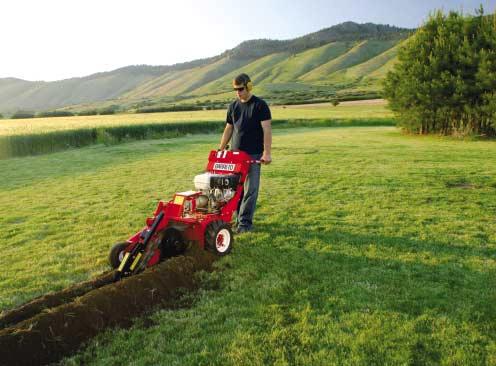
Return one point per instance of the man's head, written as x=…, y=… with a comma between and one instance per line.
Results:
x=242, y=85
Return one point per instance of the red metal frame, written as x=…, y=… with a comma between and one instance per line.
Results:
x=194, y=226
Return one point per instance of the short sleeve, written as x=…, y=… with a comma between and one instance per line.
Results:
x=229, y=115
x=264, y=112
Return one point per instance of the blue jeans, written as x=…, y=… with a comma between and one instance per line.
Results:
x=248, y=202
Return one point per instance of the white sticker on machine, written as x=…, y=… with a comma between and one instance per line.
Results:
x=224, y=166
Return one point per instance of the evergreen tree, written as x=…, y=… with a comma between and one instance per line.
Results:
x=445, y=80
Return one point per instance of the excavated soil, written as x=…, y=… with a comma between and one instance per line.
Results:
x=35, y=306
x=53, y=326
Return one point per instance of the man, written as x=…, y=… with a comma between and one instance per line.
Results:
x=248, y=123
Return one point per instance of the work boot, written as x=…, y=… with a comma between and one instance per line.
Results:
x=242, y=229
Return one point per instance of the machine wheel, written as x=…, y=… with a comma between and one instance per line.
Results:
x=219, y=238
x=117, y=254
x=172, y=244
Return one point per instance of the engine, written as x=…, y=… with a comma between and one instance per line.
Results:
x=216, y=190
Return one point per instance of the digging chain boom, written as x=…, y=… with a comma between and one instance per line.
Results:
x=136, y=260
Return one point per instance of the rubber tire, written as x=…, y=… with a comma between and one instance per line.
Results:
x=211, y=234
x=114, y=254
x=172, y=244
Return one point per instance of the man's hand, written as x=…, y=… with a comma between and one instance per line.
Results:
x=266, y=159
x=267, y=141
x=226, y=136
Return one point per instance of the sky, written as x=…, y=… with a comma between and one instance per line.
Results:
x=59, y=39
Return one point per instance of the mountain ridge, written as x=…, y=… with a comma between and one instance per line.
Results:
x=187, y=79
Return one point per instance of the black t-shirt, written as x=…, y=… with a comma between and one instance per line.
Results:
x=246, y=119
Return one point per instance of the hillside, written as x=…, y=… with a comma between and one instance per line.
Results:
x=360, y=53
x=182, y=82
x=332, y=60
x=39, y=95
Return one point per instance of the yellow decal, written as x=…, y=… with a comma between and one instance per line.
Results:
x=136, y=260
x=121, y=266
x=178, y=200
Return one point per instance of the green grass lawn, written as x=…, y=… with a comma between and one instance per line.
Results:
x=371, y=248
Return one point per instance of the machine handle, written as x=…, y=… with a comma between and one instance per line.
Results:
x=259, y=161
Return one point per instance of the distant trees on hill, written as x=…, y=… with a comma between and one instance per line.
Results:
x=22, y=114
x=112, y=109
x=172, y=108
x=445, y=80
x=55, y=114
x=348, y=31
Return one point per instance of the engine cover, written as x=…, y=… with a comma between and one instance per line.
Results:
x=210, y=181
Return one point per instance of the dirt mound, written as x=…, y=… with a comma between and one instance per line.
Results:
x=58, y=331
x=35, y=306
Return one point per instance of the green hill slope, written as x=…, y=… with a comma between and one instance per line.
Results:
x=182, y=82
x=383, y=70
x=257, y=70
x=361, y=52
x=366, y=71
x=300, y=71
x=298, y=64
x=41, y=95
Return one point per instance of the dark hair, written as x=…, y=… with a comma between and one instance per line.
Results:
x=241, y=79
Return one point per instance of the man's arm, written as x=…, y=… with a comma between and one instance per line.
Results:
x=267, y=132
x=226, y=136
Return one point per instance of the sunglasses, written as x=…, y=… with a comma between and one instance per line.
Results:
x=239, y=89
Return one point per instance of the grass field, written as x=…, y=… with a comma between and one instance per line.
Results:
x=371, y=248
x=47, y=135
x=323, y=111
